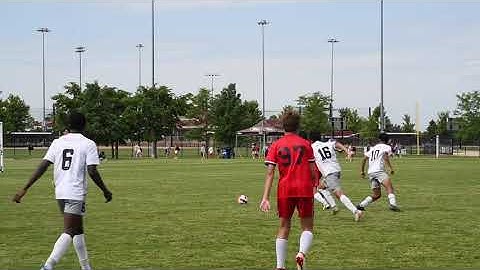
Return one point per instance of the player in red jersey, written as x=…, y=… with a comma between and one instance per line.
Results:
x=294, y=158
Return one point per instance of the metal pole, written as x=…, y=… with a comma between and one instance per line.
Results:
x=332, y=41
x=80, y=50
x=139, y=46
x=153, y=43
x=43, y=30
x=382, y=113
x=263, y=23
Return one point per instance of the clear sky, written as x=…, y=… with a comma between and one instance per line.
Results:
x=431, y=49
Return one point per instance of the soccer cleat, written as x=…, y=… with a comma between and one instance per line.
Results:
x=394, y=208
x=325, y=207
x=335, y=210
x=361, y=208
x=300, y=258
x=280, y=269
x=358, y=215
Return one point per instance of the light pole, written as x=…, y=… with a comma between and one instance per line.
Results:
x=43, y=30
x=139, y=47
x=382, y=112
x=332, y=41
x=262, y=24
x=80, y=50
x=153, y=43
x=212, y=78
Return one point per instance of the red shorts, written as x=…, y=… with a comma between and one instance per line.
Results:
x=286, y=207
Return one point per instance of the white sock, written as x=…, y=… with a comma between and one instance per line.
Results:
x=366, y=201
x=81, y=249
x=306, y=239
x=321, y=200
x=328, y=197
x=391, y=199
x=281, y=248
x=59, y=249
x=346, y=201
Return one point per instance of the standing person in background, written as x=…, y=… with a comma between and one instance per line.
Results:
x=293, y=156
x=72, y=155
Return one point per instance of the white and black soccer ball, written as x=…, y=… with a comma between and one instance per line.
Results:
x=242, y=199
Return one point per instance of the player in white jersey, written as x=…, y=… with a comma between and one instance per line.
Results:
x=377, y=157
x=72, y=155
x=327, y=163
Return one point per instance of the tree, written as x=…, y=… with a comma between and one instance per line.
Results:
x=200, y=109
x=353, y=121
x=230, y=114
x=15, y=114
x=468, y=110
x=442, y=123
x=407, y=125
x=314, y=113
x=160, y=111
x=432, y=128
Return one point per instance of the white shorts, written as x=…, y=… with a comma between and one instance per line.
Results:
x=73, y=207
x=332, y=181
x=377, y=178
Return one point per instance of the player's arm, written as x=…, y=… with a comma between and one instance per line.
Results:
x=386, y=158
x=341, y=147
x=265, y=204
x=42, y=167
x=97, y=179
x=364, y=162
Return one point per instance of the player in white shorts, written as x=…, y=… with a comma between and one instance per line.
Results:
x=377, y=157
x=327, y=163
x=72, y=155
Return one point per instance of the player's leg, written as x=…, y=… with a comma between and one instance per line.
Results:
x=392, y=201
x=286, y=207
x=73, y=220
x=305, y=212
x=319, y=197
x=376, y=194
x=331, y=183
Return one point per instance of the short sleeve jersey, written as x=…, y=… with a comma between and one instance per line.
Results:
x=375, y=156
x=326, y=157
x=292, y=155
x=70, y=155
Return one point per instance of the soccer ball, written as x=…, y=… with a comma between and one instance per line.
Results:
x=242, y=199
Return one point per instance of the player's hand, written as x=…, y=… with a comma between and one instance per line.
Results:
x=108, y=196
x=265, y=205
x=19, y=195
x=362, y=174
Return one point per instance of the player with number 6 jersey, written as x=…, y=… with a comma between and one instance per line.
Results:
x=72, y=155
x=327, y=163
x=378, y=156
x=293, y=156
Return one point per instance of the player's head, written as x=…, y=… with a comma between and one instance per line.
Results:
x=291, y=121
x=383, y=137
x=316, y=137
x=76, y=121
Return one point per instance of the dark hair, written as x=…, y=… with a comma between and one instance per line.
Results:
x=316, y=136
x=76, y=121
x=383, y=137
x=291, y=121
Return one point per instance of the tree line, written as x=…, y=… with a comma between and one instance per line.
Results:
x=151, y=113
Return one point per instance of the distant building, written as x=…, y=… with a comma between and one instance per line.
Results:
x=453, y=124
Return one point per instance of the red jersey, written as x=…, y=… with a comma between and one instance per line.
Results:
x=292, y=155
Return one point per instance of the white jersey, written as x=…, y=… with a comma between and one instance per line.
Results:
x=375, y=155
x=70, y=155
x=326, y=157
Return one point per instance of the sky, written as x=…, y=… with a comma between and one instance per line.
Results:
x=431, y=50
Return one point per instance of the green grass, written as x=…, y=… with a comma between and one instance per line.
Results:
x=183, y=214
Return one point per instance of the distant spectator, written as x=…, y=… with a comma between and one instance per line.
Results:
x=30, y=149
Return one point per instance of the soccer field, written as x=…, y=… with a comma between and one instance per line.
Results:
x=183, y=214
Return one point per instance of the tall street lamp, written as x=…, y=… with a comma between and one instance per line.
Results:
x=262, y=24
x=153, y=43
x=212, y=78
x=382, y=112
x=332, y=41
x=80, y=50
x=139, y=47
x=43, y=30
